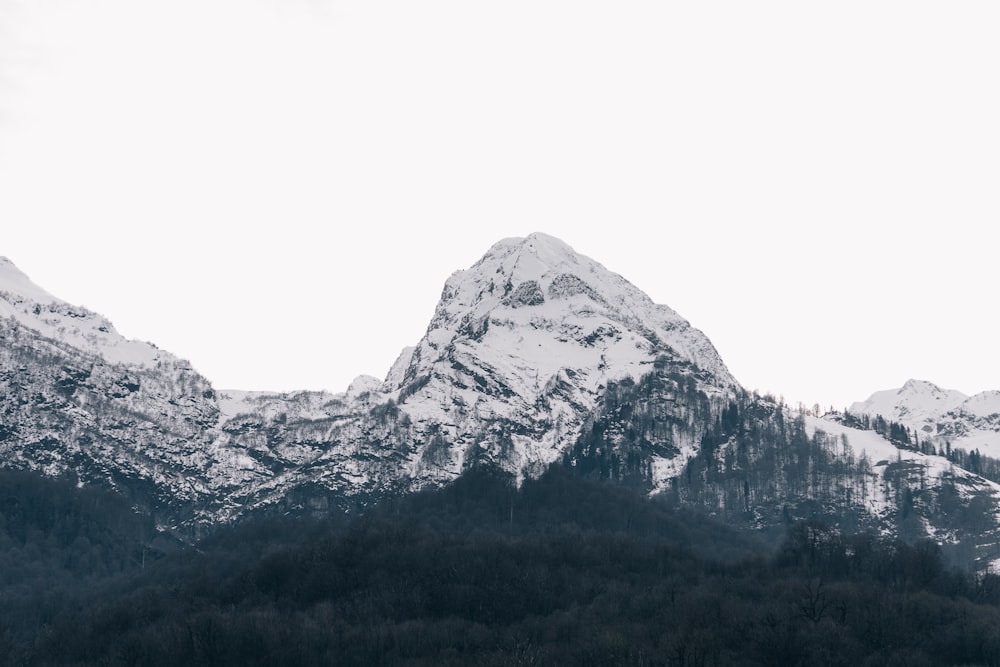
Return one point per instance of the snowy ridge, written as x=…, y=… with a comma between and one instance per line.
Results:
x=16, y=284
x=941, y=415
x=36, y=309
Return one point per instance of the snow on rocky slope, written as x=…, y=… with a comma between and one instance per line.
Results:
x=946, y=502
x=67, y=325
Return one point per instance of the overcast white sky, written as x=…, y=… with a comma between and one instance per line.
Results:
x=278, y=189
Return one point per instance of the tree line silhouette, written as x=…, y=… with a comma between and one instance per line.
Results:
x=561, y=571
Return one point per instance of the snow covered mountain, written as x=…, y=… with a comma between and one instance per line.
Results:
x=535, y=356
x=943, y=416
x=526, y=341
x=519, y=353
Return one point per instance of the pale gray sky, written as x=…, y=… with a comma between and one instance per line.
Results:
x=277, y=190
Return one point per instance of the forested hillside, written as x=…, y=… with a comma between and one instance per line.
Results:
x=564, y=571
x=762, y=465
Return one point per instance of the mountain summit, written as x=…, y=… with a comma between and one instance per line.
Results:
x=532, y=307
x=528, y=339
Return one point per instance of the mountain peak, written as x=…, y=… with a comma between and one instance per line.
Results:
x=918, y=404
x=920, y=386
x=536, y=242
x=533, y=306
x=547, y=248
x=529, y=258
x=922, y=391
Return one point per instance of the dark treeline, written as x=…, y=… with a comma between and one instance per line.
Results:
x=58, y=544
x=563, y=571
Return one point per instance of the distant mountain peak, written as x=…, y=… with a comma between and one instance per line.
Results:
x=537, y=292
x=918, y=404
x=925, y=388
x=969, y=422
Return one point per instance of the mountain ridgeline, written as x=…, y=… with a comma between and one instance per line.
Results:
x=536, y=358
